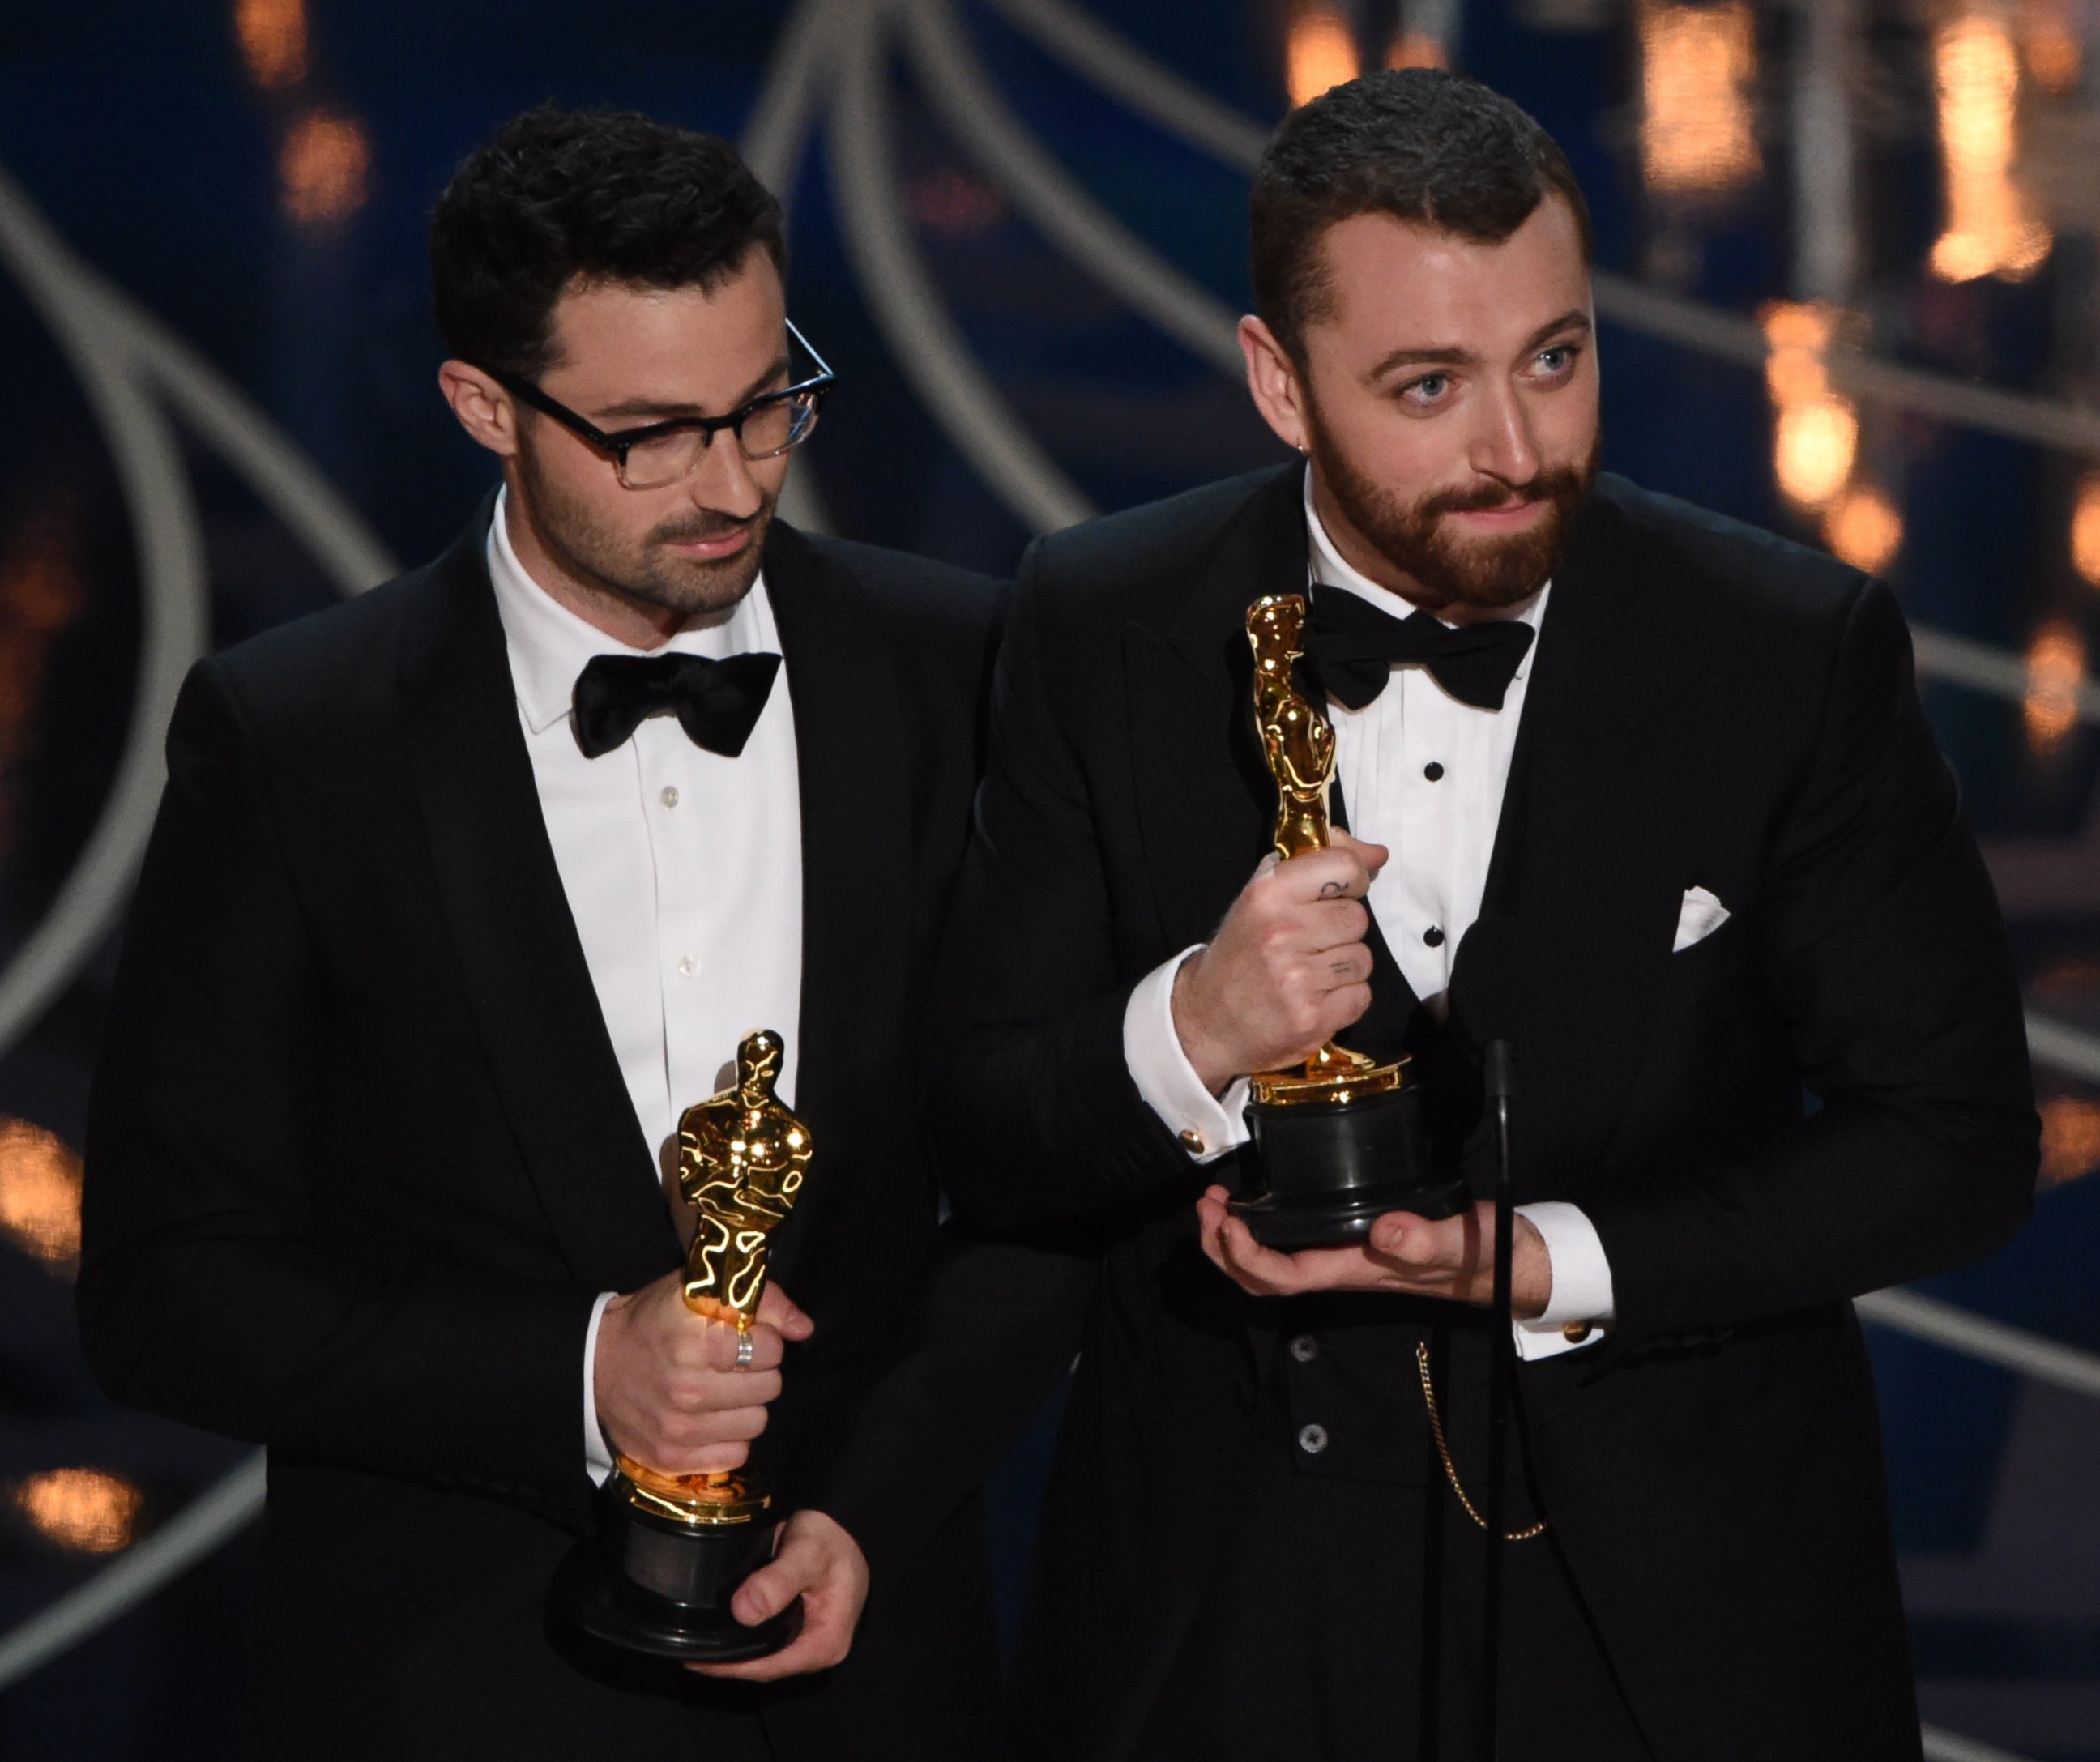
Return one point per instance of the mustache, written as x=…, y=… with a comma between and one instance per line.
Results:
x=1562, y=484
x=706, y=524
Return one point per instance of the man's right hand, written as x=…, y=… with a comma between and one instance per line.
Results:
x=1288, y=970
x=668, y=1391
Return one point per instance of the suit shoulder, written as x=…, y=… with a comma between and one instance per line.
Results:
x=929, y=598
x=1144, y=557
x=329, y=664
x=1736, y=575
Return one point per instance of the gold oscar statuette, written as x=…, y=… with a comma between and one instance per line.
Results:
x=672, y=1548
x=1338, y=1140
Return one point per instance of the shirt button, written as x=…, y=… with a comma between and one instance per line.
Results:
x=1304, y=1348
x=1433, y=936
x=1432, y=770
x=1192, y=1141
x=688, y=965
x=1312, y=1439
x=669, y=797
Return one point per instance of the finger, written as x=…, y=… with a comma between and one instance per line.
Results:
x=719, y=1348
x=777, y=1309
x=1262, y=1272
x=1373, y=857
x=826, y=1638
x=1322, y=874
x=1421, y=1244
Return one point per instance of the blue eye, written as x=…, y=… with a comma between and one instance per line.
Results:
x=1427, y=388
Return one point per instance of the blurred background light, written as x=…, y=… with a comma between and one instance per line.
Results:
x=324, y=167
x=2085, y=528
x=1990, y=230
x=2049, y=41
x=1320, y=53
x=1698, y=133
x=87, y=1510
x=1863, y=527
x=1815, y=436
x=40, y=1183
x=272, y=34
x=2056, y=671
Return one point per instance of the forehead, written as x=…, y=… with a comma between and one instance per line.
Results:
x=657, y=340
x=1393, y=283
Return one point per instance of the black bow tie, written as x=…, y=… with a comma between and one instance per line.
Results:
x=716, y=702
x=1353, y=647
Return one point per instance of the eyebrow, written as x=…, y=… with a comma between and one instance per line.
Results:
x=666, y=412
x=1574, y=318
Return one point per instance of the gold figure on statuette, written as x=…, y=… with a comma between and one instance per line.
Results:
x=742, y=1158
x=1298, y=742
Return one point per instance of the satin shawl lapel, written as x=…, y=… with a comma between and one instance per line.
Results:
x=850, y=755
x=1593, y=852
x=526, y=980
x=1205, y=802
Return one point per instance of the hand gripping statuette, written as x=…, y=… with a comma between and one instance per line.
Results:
x=1339, y=1139
x=672, y=1548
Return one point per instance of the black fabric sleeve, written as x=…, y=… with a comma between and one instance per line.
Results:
x=1881, y=939
x=212, y=1288
x=1035, y=1116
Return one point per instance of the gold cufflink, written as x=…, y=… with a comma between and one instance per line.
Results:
x=1576, y=1332
x=1192, y=1141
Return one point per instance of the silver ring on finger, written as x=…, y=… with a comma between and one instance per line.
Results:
x=747, y=1348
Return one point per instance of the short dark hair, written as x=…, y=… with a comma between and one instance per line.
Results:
x=1417, y=143
x=557, y=196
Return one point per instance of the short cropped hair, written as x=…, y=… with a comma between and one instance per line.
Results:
x=1420, y=145
x=561, y=197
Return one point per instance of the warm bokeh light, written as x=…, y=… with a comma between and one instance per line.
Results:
x=2050, y=40
x=2085, y=528
x=273, y=40
x=1863, y=527
x=2070, y=1139
x=2056, y=673
x=325, y=167
x=1698, y=130
x=1816, y=434
x=86, y=1509
x=1989, y=230
x=40, y=1180
x=1412, y=49
x=1321, y=53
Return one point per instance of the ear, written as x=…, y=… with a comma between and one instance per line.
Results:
x=484, y=409
x=1272, y=382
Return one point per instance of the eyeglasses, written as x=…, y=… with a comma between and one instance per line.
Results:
x=660, y=453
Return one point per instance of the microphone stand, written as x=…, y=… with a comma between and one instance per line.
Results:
x=1499, y=1075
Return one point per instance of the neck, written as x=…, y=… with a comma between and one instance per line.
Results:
x=635, y=623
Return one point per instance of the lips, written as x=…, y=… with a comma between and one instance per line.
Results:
x=714, y=545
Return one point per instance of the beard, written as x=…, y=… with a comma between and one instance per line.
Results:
x=1488, y=573
x=645, y=569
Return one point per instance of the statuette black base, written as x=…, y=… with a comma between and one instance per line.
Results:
x=1322, y=1172
x=649, y=1583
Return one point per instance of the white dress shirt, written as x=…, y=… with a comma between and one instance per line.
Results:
x=682, y=868
x=1423, y=774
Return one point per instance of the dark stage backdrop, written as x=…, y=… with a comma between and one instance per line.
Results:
x=1846, y=283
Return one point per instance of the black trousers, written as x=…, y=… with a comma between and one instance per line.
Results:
x=1343, y=1624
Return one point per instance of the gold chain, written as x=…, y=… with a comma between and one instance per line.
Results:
x=1444, y=1450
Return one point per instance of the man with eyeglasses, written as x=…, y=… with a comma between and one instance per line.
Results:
x=460, y=894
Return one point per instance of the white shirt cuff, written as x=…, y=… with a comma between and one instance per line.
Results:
x=1208, y=1126
x=598, y=1456
x=1581, y=1292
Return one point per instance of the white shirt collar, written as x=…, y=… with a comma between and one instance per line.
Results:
x=549, y=645
x=1330, y=568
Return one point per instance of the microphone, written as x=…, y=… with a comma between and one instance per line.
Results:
x=1488, y=982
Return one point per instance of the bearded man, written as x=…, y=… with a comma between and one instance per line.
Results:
x=1767, y=1032
x=460, y=893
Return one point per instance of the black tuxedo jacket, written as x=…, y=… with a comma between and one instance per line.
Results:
x=1712, y=707
x=360, y=1157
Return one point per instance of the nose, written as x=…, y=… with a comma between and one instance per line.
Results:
x=1505, y=447
x=722, y=482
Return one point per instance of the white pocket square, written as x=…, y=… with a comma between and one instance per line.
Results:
x=1698, y=919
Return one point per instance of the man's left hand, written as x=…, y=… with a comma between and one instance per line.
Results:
x=819, y=1562
x=1451, y=1257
